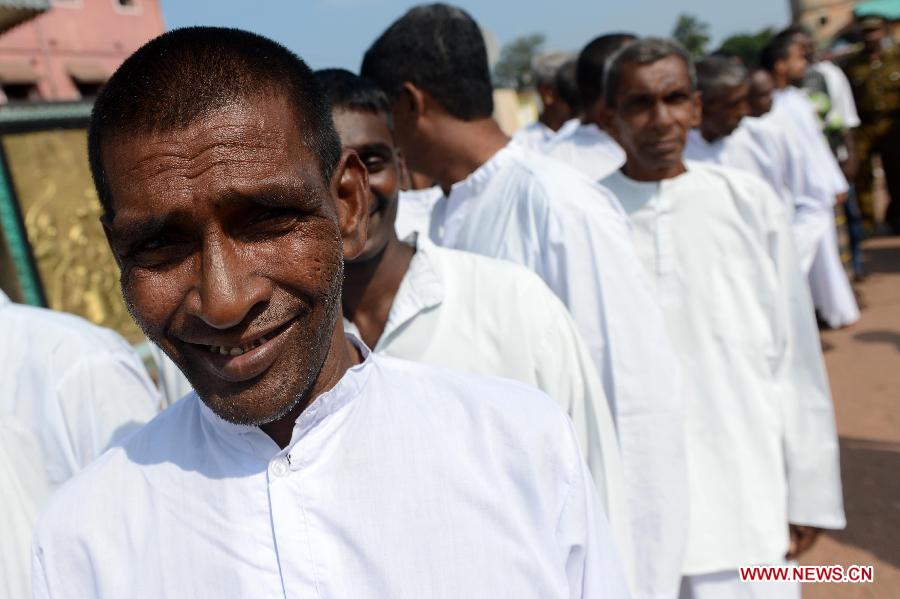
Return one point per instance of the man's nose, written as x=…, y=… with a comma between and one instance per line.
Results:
x=662, y=114
x=228, y=287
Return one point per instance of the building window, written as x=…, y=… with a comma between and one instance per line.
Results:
x=20, y=92
x=88, y=90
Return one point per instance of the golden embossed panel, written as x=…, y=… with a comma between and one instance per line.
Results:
x=53, y=184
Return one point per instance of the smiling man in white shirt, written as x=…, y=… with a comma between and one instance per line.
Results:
x=506, y=202
x=304, y=465
x=761, y=442
x=410, y=299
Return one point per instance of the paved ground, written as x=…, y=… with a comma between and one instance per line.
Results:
x=864, y=368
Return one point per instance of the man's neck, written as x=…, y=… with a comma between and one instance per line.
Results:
x=466, y=146
x=709, y=136
x=637, y=172
x=342, y=355
x=371, y=286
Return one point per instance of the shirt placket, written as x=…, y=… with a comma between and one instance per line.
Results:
x=290, y=525
x=665, y=252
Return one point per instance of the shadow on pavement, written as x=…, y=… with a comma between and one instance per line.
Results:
x=886, y=337
x=871, y=476
x=882, y=259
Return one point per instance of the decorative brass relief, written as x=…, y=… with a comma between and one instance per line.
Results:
x=59, y=205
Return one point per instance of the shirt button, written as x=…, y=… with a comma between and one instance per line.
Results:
x=279, y=467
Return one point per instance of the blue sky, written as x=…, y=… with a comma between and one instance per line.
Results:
x=335, y=33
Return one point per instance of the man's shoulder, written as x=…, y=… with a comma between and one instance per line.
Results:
x=461, y=397
x=62, y=331
x=559, y=188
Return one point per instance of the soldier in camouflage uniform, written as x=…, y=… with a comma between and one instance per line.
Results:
x=874, y=74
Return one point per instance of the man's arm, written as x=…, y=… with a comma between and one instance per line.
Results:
x=564, y=371
x=810, y=440
x=593, y=566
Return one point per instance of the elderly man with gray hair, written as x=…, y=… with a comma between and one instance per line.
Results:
x=762, y=451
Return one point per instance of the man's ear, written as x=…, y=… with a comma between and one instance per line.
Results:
x=404, y=176
x=350, y=189
x=413, y=100
x=697, y=102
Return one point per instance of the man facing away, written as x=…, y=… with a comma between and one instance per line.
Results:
x=761, y=444
x=785, y=59
x=587, y=146
x=558, y=102
x=303, y=465
x=505, y=202
x=410, y=299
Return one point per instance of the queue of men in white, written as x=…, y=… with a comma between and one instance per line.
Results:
x=661, y=302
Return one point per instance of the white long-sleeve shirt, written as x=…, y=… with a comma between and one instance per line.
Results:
x=23, y=487
x=79, y=388
x=474, y=314
x=799, y=119
x=530, y=209
x=414, y=211
x=403, y=480
x=761, y=443
x=588, y=149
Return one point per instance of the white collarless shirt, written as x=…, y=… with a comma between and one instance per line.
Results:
x=800, y=118
x=761, y=442
x=23, y=488
x=533, y=135
x=482, y=316
x=414, y=211
x=77, y=387
x=533, y=210
x=587, y=148
x=404, y=480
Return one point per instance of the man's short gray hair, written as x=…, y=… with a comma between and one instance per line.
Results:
x=643, y=51
x=545, y=66
x=717, y=75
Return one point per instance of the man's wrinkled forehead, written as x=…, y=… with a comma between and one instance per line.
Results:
x=232, y=146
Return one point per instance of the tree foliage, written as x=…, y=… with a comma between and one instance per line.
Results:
x=747, y=46
x=513, y=69
x=692, y=33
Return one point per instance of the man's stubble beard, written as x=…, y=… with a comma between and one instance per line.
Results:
x=317, y=346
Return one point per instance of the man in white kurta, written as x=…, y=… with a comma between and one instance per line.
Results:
x=460, y=310
x=77, y=387
x=506, y=202
x=403, y=480
x=784, y=57
x=304, y=465
x=761, y=443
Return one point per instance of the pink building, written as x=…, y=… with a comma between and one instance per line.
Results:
x=69, y=51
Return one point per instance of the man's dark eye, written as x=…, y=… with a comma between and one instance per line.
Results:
x=375, y=164
x=158, y=251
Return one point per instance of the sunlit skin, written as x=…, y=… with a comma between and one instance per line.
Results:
x=372, y=279
x=227, y=236
x=759, y=97
x=722, y=112
x=654, y=110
